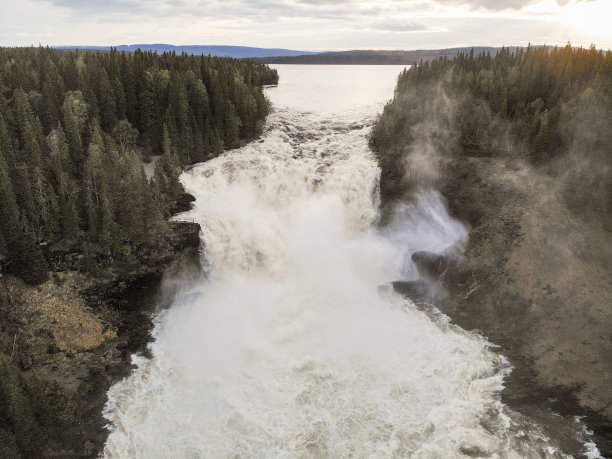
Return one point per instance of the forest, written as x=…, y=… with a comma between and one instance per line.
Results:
x=534, y=104
x=371, y=57
x=76, y=128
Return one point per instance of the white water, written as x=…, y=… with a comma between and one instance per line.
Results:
x=290, y=348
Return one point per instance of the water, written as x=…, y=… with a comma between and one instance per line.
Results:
x=289, y=347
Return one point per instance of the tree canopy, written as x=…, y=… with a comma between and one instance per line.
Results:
x=548, y=107
x=75, y=128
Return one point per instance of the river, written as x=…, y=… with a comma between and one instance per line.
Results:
x=292, y=344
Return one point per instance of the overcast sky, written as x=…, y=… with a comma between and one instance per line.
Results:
x=307, y=24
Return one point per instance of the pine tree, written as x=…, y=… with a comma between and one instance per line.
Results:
x=66, y=187
x=106, y=98
x=60, y=406
x=74, y=118
x=73, y=129
x=22, y=256
x=93, y=183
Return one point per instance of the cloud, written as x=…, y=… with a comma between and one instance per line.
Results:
x=282, y=8
x=125, y=10
x=99, y=6
x=327, y=2
x=567, y=2
x=500, y=5
x=305, y=24
x=122, y=10
x=495, y=5
x=400, y=25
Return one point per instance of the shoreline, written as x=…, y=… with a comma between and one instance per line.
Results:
x=544, y=405
x=554, y=409
x=72, y=337
x=531, y=280
x=144, y=297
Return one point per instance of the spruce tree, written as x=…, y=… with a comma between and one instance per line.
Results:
x=67, y=191
x=75, y=125
x=22, y=256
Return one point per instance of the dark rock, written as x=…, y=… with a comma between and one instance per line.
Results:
x=429, y=264
x=63, y=257
x=123, y=295
x=89, y=448
x=184, y=234
x=442, y=275
x=532, y=279
x=418, y=291
x=474, y=451
x=182, y=203
x=123, y=283
x=543, y=306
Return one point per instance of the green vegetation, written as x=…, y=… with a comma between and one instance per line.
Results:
x=31, y=411
x=75, y=128
x=551, y=108
x=371, y=57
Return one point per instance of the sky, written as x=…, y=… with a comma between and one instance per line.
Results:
x=307, y=24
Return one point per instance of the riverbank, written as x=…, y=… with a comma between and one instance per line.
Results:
x=533, y=279
x=518, y=144
x=66, y=341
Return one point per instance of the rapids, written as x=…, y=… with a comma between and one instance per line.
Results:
x=290, y=345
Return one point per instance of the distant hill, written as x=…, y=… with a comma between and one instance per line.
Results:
x=220, y=51
x=291, y=56
x=370, y=57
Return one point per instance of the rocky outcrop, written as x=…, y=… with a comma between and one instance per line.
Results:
x=182, y=203
x=77, y=332
x=418, y=291
x=118, y=283
x=534, y=279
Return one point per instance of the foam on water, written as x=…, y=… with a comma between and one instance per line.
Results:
x=289, y=348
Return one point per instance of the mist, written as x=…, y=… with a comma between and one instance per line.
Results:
x=294, y=343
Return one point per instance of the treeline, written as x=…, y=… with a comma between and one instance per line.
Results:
x=370, y=57
x=551, y=107
x=75, y=128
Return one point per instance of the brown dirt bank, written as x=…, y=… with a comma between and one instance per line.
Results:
x=536, y=280
x=74, y=335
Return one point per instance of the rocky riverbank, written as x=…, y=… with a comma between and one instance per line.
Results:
x=66, y=341
x=534, y=278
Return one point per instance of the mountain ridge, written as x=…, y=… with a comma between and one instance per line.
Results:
x=376, y=57
x=292, y=56
x=239, y=52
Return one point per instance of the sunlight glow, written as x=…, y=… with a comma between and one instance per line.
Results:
x=309, y=24
x=587, y=18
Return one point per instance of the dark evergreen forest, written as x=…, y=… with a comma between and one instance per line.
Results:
x=548, y=107
x=371, y=57
x=76, y=127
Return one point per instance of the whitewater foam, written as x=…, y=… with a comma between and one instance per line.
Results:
x=289, y=348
